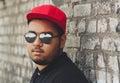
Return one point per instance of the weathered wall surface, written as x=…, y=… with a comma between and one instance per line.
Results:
x=93, y=39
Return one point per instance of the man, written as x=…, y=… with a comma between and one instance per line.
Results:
x=45, y=41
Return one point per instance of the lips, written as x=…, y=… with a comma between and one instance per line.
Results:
x=37, y=51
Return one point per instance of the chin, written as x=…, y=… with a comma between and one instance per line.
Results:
x=41, y=62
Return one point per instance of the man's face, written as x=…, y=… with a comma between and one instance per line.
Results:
x=40, y=52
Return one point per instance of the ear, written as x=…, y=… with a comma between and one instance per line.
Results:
x=63, y=40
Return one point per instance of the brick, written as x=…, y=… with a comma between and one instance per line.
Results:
x=73, y=41
x=67, y=9
x=114, y=61
x=82, y=10
x=67, y=1
x=113, y=22
x=17, y=79
x=101, y=7
x=17, y=2
x=57, y=2
x=72, y=53
x=67, y=25
x=1, y=5
x=92, y=75
x=27, y=62
x=73, y=1
x=89, y=42
x=87, y=60
x=2, y=30
x=117, y=7
x=25, y=72
x=37, y=2
x=23, y=8
x=30, y=5
x=102, y=25
x=101, y=76
x=114, y=68
x=6, y=20
x=72, y=27
x=117, y=44
x=81, y=26
x=101, y=63
x=9, y=3
x=5, y=39
x=92, y=26
x=108, y=43
x=114, y=73
x=46, y=1
x=116, y=78
x=109, y=76
x=20, y=18
x=24, y=0
x=19, y=39
x=0, y=22
x=26, y=80
x=1, y=14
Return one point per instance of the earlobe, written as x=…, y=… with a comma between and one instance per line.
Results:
x=63, y=40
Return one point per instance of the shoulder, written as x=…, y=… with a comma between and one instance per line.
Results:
x=68, y=77
x=68, y=72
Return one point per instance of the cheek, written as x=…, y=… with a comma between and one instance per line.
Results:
x=52, y=47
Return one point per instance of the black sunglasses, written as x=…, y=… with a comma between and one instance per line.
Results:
x=45, y=37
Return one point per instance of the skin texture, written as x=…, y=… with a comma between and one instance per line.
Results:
x=42, y=54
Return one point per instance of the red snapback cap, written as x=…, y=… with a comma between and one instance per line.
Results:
x=49, y=12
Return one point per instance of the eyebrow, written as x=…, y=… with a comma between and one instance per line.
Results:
x=40, y=32
x=32, y=31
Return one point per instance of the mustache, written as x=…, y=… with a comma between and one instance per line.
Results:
x=38, y=49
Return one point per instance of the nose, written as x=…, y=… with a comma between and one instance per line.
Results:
x=38, y=42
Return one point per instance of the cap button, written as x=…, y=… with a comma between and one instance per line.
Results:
x=38, y=73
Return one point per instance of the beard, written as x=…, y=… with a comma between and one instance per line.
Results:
x=45, y=60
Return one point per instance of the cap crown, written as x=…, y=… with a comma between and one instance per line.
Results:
x=49, y=12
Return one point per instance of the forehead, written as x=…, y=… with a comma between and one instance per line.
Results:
x=39, y=26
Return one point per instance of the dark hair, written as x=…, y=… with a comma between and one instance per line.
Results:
x=56, y=26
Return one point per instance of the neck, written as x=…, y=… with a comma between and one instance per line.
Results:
x=41, y=67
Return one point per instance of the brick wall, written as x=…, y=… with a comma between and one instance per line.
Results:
x=93, y=39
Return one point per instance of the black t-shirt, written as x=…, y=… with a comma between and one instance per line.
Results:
x=61, y=70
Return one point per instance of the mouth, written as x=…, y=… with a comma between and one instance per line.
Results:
x=37, y=51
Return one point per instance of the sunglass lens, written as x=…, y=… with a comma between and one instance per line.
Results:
x=46, y=40
x=29, y=40
x=30, y=37
x=46, y=37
